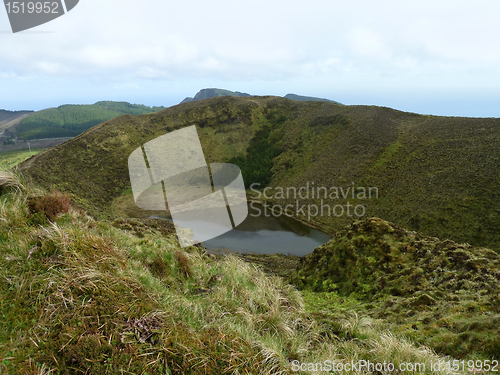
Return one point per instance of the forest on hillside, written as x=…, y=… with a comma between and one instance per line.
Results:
x=72, y=120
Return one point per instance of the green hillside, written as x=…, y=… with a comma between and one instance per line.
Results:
x=71, y=120
x=360, y=293
x=433, y=174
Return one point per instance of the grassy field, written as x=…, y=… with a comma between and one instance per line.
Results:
x=84, y=296
x=9, y=160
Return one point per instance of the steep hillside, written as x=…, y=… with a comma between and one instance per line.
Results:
x=427, y=173
x=442, y=293
x=71, y=120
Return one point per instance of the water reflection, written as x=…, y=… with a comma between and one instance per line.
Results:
x=262, y=235
x=269, y=235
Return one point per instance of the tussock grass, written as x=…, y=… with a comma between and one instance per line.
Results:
x=10, y=181
x=81, y=296
x=438, y=293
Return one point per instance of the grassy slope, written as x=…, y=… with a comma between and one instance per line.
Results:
x=93, y=166
x=83, y=296
x=71, y=120
x=434, y=174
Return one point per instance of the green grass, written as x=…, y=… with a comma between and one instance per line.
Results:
x=9, y=160
x=84, y=296
x=388, y=153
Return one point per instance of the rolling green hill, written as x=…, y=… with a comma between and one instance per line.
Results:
x=71, y=120
x=433, y=174
x=437, y=175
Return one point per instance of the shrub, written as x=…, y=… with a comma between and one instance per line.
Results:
x=49, y=205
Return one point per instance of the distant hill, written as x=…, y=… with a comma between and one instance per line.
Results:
x=438, y=175
x=301, y=98
x=212, y=93
x=9, y=119
x=71, y=120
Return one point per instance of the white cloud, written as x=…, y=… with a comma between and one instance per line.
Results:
x=389, y=45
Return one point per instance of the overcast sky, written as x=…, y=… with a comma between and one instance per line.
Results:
x=432, y=57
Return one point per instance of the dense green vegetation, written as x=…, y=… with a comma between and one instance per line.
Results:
x=440, y=293
x=71, y=120
x=257, y=163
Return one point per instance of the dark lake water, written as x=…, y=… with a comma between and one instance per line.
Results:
x=266, y=235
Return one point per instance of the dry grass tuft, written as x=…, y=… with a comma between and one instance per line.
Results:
x=10, y=181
